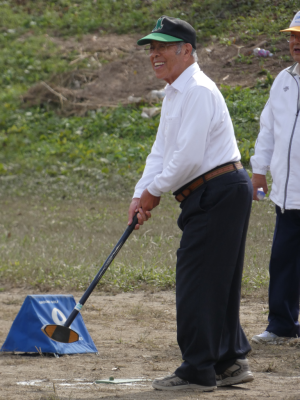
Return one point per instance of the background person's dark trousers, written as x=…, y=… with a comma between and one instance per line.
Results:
x=284, y=287
x=214, y=221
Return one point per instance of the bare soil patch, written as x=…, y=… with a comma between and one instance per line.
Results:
x=135, y=334
x=128, y=71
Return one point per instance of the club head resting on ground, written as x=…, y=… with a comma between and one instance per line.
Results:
x=60, y=333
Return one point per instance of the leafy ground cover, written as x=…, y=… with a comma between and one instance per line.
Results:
x=69, y=17
x=111, y=141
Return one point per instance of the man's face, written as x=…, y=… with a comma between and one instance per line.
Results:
x=295, y=46
x=166, y=64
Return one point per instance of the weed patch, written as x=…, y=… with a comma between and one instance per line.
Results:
x=48, y=245
x=110, y=141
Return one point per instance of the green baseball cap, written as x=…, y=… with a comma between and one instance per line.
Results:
x=169, y=29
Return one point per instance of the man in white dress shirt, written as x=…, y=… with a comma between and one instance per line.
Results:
x=195, y=155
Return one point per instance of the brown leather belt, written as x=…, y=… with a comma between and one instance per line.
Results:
x=183, y=193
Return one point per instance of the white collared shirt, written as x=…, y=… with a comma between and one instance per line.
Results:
x=195, y=134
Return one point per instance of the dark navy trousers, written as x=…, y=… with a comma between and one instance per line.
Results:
x=284, y=287
x=214, y=223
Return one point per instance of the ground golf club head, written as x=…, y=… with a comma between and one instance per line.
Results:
x=60, y=333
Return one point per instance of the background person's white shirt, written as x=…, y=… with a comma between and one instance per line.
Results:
x=195, y=134
x=278, y=143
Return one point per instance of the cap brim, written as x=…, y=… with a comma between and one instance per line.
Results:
x=160, y=37
x=293, y=29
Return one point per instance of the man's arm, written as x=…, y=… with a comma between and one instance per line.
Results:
x=264, y=147
x=154, y=163
x=143, y=202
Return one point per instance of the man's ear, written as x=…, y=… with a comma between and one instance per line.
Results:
x=188, y=49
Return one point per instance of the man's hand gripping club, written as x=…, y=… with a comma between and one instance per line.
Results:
x=142, y=206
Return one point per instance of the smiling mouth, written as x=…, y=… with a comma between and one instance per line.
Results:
x=158, y=64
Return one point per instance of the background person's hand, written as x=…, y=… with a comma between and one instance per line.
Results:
x=259, y=181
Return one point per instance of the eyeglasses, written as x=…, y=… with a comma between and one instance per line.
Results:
x=161, y=48
x=292, y=38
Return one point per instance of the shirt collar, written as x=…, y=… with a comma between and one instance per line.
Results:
x=297, y=69
x=294, y=69
x=180, y=83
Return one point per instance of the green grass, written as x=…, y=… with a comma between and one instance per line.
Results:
x=209, y=17
x=259, y=242
x=60, y=244
x=245, y=106
x=117, y=139
x=38, y=143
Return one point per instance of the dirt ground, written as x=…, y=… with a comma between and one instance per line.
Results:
x=128, y=72
x=135, y=334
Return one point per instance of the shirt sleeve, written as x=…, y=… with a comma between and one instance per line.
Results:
x=197, y=113
x=154, y=163
x=264, y=146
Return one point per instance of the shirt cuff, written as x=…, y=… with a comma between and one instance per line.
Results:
x=260, y=171
x=152, y=189
x=137, y=194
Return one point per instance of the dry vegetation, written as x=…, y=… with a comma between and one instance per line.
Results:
x=119, y=69
x=61, y=243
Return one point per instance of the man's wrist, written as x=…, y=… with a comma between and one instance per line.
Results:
x=262, y=171
x=153, y=191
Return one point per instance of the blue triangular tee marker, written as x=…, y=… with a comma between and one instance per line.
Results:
x=26, y=336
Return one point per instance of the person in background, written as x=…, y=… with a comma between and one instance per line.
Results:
x=195, y=155
x=278, y=149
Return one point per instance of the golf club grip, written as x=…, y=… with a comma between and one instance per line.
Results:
x=102, y=271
